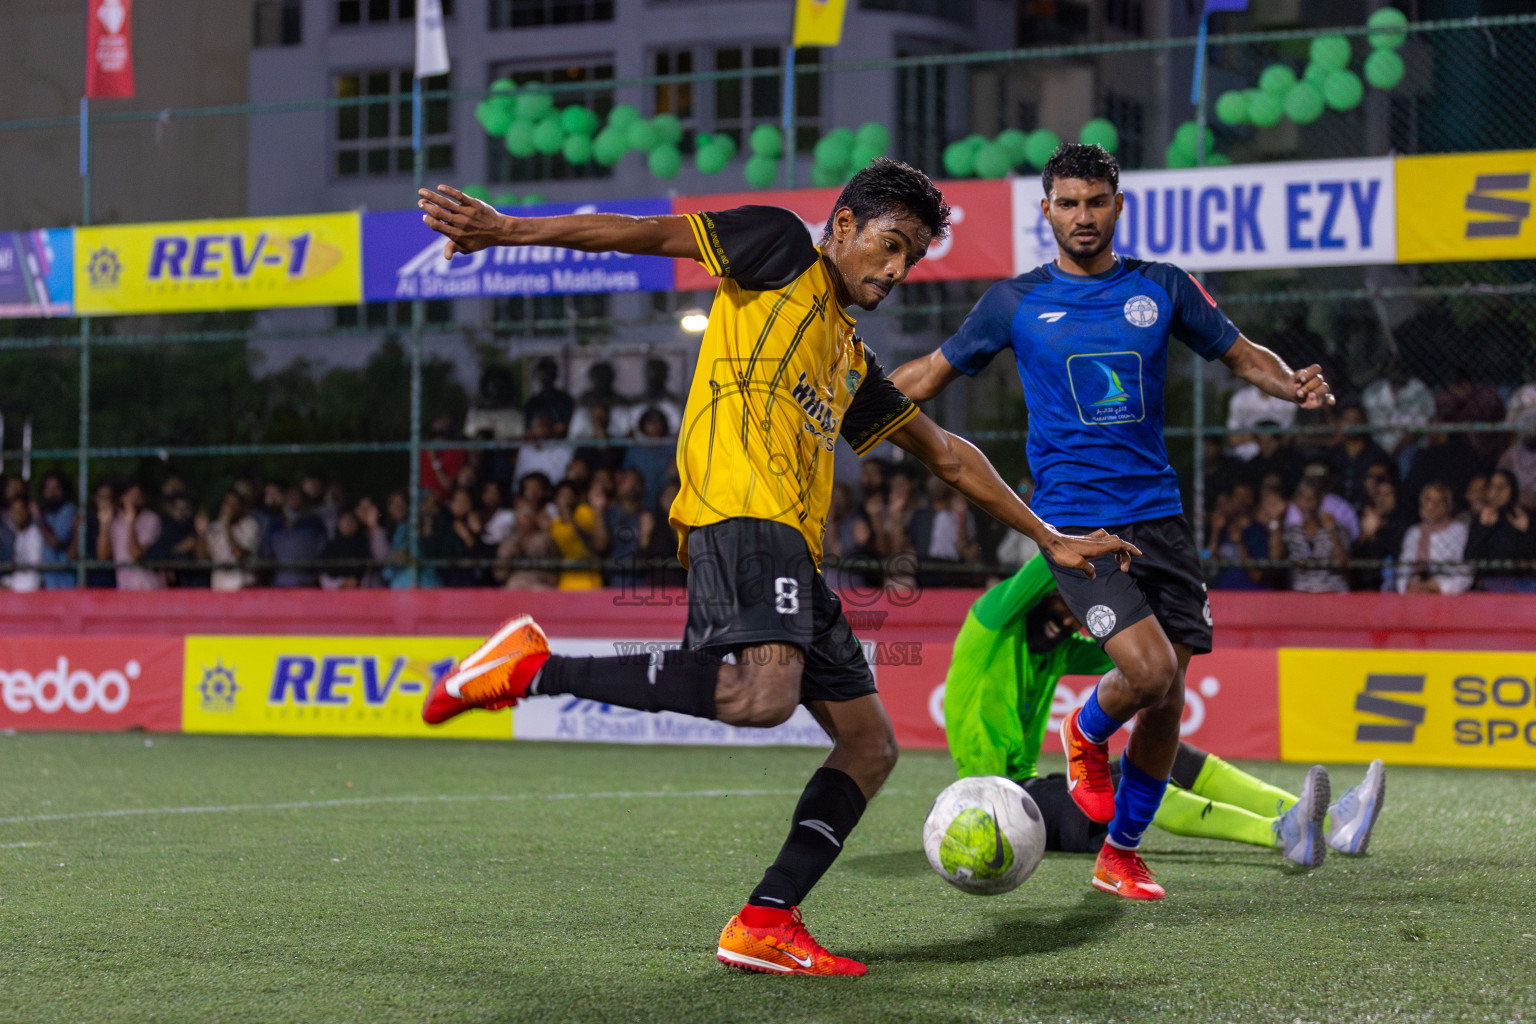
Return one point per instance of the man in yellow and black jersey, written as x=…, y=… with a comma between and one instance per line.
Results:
x=780, y=376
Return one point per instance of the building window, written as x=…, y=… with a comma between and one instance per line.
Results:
x=1129, y=117
x=501, y=166
x=961, y=12
x=551, y=316
x=380, y=12
x=922, y=113
x=373, y=137
x=533, y=13
x=676, y=97
x=1126, y=15
x=277, y=23
x=392, y=314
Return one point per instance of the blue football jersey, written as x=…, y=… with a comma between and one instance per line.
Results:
x=1093, y=355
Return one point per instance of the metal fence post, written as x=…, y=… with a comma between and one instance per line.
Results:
x=84, y=489
x=1197, y=362
x=418, y=317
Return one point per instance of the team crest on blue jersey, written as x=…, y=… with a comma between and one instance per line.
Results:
x=1141, y=311
x=1107, y=387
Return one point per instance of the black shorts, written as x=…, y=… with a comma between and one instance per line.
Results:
x=752, y=581
x=1067, y=828
x=1165, y=581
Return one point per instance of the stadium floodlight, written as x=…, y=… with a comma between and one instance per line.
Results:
x=694, y=321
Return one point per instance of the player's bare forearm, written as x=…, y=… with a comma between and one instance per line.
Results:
x=471, y=225
x=961, y=464
x=924, y=377
x=1266, y=371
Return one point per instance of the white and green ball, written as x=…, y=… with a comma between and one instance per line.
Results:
x=984, y=835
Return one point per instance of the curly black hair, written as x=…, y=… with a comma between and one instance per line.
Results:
x=1084, y=162
x=886, y=186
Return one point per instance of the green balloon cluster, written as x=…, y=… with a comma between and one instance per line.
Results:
x=1384, y=69
x=1100, y=132
x=1183, y=151
x=766, y=144
x=1304, y=103
x=843, y=152
x=1387, y=25
x=529, y=123
x=712, y=152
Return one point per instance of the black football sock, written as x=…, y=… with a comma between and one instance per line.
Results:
x=682, y=681
x=828, y=809
x=1188, y=763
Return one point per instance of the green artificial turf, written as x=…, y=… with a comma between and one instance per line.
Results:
x=378, y=880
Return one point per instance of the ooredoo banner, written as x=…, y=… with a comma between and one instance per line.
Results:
x=977, y=247
x=92, y=683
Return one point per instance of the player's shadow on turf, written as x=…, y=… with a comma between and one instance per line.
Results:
x=1023, y=933
x=901, y=864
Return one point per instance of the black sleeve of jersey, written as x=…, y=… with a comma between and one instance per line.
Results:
x=878, y=409
x=760, y=247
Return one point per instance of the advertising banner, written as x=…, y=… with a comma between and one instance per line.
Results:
x=37, y=271
x=252, y=263
x=403, y=260
x=1454, y=708
x=109, y=49
x=91, y=683
x=978, y=245
x=1248, y=217
x=324, y=686
x=1465, y=206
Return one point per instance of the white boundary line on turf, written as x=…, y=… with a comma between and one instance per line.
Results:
x=305, y=805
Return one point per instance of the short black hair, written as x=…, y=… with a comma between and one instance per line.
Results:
x=887, y=186
x=1081, y=161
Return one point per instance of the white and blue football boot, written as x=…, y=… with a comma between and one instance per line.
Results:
x=1351, y=819
x=1299, y=831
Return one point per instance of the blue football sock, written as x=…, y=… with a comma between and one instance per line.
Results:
x=1096, y=726
x=1136, y=803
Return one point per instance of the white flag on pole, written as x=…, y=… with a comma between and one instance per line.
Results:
x=431, y=42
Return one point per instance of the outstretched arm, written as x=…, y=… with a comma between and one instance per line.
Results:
x=471, y=225
x=1266, y=371
x=961, y=465
x=924, y=377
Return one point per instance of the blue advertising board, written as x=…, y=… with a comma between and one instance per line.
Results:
x=37, y=273
x=403, y=260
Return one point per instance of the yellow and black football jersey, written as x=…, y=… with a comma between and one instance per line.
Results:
x=780, y=376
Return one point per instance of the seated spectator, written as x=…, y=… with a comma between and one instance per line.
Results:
x=495, y=514
x=333, y=502
x=1501, y=531
x=944, y=531
x=1519, y=460
x=1382, y=525
x=127, y=534
x=630, y=526
x=1433, y=548
x=849, y=542
x=890, y=514
x=579, y=473
x=178, y=542
x=231, y=542
x=528, y=541
x=1016, y=548
x=1314, y=538
x=295, y=544
x=1475, y=497
x=1278, y=455
x=534, y=494
x=542, y=451
x=872, y=480
x=104, y=501
x=367, y=512
x=1352, y=454
x=655, y=460
x=1237, y=536
x=549, y=400
x=1395, y=406
x=440, y=465
x=57, y=517
x=659, y=395
x=432, y=541
x=579, y=533
x=600, y=394
x=599, y=424
x=1444, y=457
x=1465, y=402
x=27, y=547
x=1249, y=407
x=493, y=416
x=461, y=541
x=347, y=554
x=664, y=540
x=397, y=575
x=1334, y=506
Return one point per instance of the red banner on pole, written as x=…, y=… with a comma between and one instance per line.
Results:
x=109, y=49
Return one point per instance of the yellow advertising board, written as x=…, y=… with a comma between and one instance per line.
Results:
x=1459, y=708
x=252, y=263
x=1465, y=206
x=324, y=686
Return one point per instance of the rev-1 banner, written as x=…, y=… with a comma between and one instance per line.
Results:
x=1312, y=214
x=403, y=260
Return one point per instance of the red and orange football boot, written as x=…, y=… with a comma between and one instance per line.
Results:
x=495, y=676
x=776, y=942
x=1124, y=873
x=1088, y=778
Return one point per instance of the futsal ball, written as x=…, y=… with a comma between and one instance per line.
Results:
x=984, y=835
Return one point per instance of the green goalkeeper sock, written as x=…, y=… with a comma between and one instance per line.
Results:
x=1228, y=784
x=1185, y=814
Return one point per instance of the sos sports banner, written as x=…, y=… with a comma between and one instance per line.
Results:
x=251, y=263
x=1465, y=206
x=1459, y=708
x=403, y=260
x=98, y=683
x=1249, y=217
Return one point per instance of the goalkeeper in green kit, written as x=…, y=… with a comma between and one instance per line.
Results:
x=1018, y=640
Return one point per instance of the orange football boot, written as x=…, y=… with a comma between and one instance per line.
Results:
x=776, y=942
x=1088, y=778
x=495, y=676
x=1124, y=873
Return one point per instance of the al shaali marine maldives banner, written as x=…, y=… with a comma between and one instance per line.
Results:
x=1248, y=217
x=403, y=260
x=37, y=272
x=250, y=263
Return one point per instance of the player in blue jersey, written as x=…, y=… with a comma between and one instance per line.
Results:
x=1090, y=334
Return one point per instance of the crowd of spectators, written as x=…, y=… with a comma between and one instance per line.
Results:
x=1397, y=499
